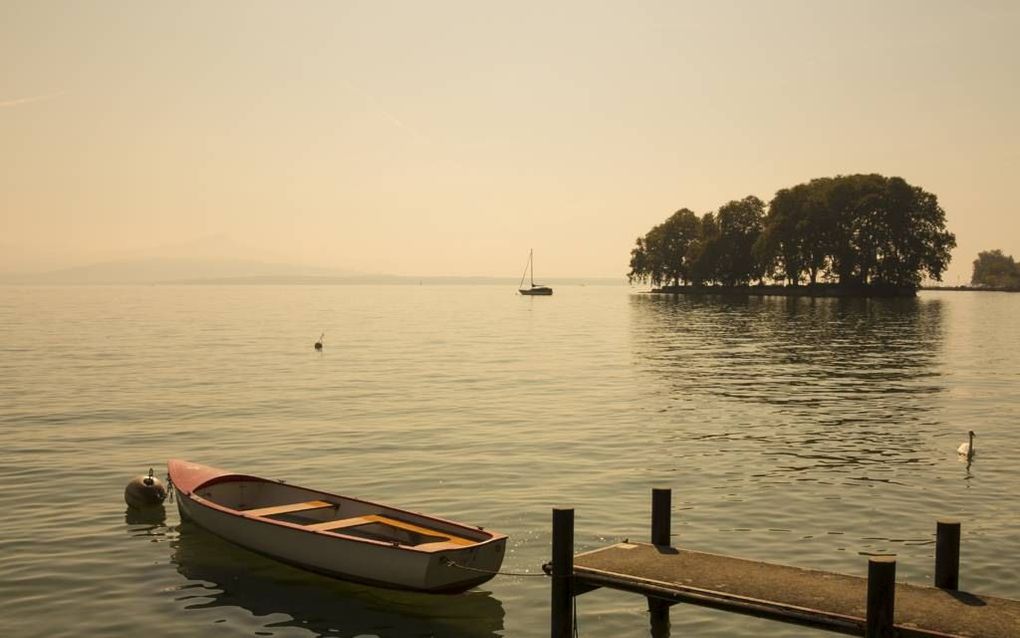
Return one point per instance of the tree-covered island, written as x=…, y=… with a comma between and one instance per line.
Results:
x=996, y=271
x=850, y=234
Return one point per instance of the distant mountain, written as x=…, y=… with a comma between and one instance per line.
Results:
x=390, y=280
x=171, y=269
x=204, y=271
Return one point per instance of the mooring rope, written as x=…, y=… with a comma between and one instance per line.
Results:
x=496, y=572
x=446, y=561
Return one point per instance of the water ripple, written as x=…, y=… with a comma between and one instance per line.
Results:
x=821, y=429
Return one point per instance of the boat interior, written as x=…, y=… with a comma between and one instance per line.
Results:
x=320, y=512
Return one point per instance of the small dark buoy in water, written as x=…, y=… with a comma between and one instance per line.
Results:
x=144, y=491
x=318, y=344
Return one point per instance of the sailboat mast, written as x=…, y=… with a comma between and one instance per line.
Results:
x=531, y=261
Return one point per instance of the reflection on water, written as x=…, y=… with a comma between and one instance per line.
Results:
x=791, y=430
x=224, y=575
x=822, y=351
x=826, y=383
x=146, y=517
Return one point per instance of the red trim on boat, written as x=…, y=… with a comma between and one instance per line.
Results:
x=188, y=477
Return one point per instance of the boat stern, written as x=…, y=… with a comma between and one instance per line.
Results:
x=460, y=569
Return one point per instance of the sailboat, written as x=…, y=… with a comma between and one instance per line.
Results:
x=530, y=269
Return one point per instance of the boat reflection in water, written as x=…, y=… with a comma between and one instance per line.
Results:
x=278, y=596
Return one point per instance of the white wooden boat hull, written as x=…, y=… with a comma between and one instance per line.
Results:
x=439, y=566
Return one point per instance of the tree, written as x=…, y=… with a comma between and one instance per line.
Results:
x=860, y=230
x=996, y=270
x=640, y=262
x=741, y=223
x=661, y=257
x=780, y=245
x=913, y=242
x=799, y=234
x=704, y=252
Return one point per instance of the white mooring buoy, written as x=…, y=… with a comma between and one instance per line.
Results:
x=144, y=491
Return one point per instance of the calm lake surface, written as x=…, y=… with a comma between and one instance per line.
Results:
x=800, y=431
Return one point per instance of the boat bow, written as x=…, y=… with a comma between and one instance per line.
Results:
x=187, y=476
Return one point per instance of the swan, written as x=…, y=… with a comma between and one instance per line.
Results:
x=967, y=448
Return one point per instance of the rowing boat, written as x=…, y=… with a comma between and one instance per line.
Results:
x=338, y=536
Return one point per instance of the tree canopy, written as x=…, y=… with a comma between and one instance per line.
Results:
x=995, y=270
x=854, y=230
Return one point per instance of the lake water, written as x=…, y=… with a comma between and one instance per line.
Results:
x=799, y=431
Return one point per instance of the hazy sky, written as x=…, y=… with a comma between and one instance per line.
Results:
x=432, y=138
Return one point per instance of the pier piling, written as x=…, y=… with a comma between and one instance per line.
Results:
x=662, y=512
x=881, y=597
x=562, y=573
x=947, y=554
x=665, y=575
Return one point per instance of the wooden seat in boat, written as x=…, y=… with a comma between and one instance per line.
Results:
x=329, y=526
x=288, y=508
x=335, y=526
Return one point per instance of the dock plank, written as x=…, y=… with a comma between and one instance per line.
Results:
x=783, y=592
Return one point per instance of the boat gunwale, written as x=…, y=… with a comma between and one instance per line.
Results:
x=495, y=537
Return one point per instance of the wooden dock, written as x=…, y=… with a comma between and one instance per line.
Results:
x=875, y=605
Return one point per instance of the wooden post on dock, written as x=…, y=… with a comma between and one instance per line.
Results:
x=662, y=512
x=947, y=554
x=562, y=573
x=881, y=597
